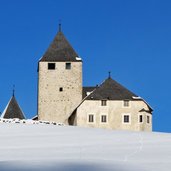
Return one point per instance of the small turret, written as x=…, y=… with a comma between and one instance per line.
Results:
x=13, y=109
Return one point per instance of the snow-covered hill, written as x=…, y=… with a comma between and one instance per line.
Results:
x=63, y=148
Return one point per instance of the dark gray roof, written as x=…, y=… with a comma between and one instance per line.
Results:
x=35, y=117
x=60, y=50
x=13, y=110
x=111, y=90
x=148, y=111
x=86, y=90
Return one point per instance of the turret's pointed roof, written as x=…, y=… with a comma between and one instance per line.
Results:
x=13, y=110
x=60, y=50
x=111, y=90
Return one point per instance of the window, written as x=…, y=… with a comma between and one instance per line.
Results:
x=148, y=119
x=103, y=118
x=51, y=66
x=140, y=118
x=61, y=89
x=103, y=102
x=126, y=103
x=68, y=66
x=91, y=118
x=126, y=118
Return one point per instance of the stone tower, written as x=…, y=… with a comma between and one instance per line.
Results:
x=59, y=81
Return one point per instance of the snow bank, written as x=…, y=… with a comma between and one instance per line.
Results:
x=28, y=121
x=78, y=59
x=47, y=147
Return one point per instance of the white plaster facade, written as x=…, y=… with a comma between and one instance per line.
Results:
x=114, y=111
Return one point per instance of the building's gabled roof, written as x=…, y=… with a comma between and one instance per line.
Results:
x=13, y=110
x=60, y=50
x=111, y=90
x=108, y=90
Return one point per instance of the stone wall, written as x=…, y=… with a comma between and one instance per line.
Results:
x=53, y=104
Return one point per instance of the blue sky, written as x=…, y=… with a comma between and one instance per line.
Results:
x=132, y=39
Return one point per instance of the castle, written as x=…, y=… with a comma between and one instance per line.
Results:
x=62, y=97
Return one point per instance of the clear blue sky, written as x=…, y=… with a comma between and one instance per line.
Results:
x=132, y=39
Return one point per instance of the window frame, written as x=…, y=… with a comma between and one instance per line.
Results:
x=103, y=102
x=126, y=102
x=123, y=118
x=101, y=118
x=68, y=65
x=88, y=118
x=148, y=119
x=140, y=118
x=50, y=67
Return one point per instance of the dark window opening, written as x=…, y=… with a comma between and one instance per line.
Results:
x=60, y=89
x=68, y=66
x=91, y=118
x=148, y=119
x=104, y=102
x=51, y=66
x=126, y=118
x=103, y=118
x=140, y=118
x=126, y=103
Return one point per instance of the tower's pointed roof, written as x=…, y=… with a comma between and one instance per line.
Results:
x=111, y=90
x=60, y=50
x=13, y=110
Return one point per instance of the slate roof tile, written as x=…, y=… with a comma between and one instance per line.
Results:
x=111, y=90
x=60, y=50
x=13, y=110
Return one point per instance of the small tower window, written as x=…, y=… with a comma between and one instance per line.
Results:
x=104, y=103
x=51, y=66
x=61, y=89
x=68, y=66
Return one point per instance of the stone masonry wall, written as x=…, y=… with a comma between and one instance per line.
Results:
x=55, y=105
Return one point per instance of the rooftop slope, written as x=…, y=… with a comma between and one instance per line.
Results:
x=112, y=90
x=45, y=147
x=87, y=90
x=60, y=50
x=13, y=110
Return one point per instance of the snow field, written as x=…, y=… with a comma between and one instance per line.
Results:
x=48, y=147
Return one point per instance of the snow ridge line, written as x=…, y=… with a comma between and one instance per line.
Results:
x=139, y=149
